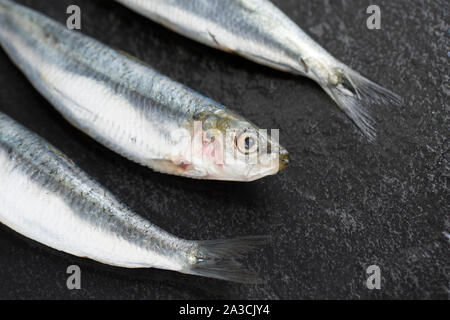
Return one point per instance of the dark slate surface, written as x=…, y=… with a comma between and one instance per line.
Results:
x=341, y=206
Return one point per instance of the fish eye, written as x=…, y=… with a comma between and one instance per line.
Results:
x=247, y=142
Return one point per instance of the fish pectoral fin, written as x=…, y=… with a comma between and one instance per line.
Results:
x=213, y=37
x=170, y=167
x=219, y=45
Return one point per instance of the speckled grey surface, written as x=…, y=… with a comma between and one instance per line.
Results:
x=341, y=206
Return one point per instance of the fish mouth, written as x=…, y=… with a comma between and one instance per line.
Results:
x=283, y=159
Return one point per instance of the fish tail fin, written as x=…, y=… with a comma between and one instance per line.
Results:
x=355, y=95
x=217, y=259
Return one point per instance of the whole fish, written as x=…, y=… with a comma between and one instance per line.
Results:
x=130, y=108
x=259, y=31
x=46, y=197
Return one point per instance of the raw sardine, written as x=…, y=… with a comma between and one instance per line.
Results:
x=259, y=31
x=132, y=109
x=46, y=197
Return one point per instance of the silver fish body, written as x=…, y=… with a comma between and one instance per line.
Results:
x=123, y=103
x=250, y=28
x=46, y=197
x=259, y=31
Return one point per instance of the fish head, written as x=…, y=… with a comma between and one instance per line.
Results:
x=234, y=149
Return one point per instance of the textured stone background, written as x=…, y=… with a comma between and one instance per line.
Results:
x=341, y=206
